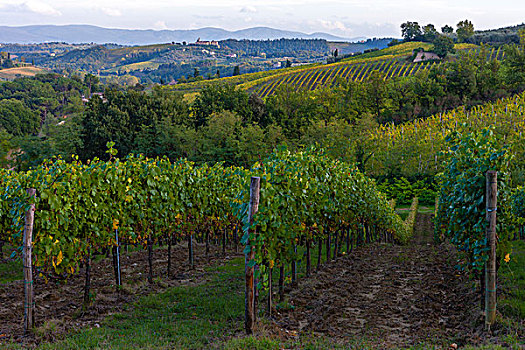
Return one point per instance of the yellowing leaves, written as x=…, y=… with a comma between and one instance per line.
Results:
x=115, y=224
x=60, y=257
x=507, y=258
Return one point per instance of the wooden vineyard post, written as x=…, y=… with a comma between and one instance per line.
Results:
x=249, y=304
x=150, y=258
x=319, y=253
x=270, y=292
x=29, y=315
x=328, y=247
x=294, y=269
x=170, y=239
x=190, y=250
x=308, y=260
x=281, y=283
x=490, y=267
x=116, y=258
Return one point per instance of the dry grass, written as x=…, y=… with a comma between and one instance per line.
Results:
x=12, y=73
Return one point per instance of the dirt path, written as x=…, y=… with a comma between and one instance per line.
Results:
x=393, y=296
x=59, y=304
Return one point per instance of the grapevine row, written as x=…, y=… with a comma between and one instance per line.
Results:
x=305, y=197
x=419, y=146
x=327, y=76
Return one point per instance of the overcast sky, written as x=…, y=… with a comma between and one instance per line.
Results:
x=348, y=18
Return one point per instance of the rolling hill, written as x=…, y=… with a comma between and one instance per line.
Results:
x=89, y=33
x=391, y=62
x=17, y=72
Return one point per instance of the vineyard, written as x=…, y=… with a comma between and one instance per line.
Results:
x=419, y=147
x=390, y=61
x=396, y=247
x=85, y=209
x=389, y=65
x=328, y=76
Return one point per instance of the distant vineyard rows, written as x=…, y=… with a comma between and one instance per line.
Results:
x=419, y=147
x=326, y=76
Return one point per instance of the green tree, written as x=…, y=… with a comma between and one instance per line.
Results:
x=219, y=139
x=5, y=147
x=216, y=98
x=293, y=110
x=465, y=29
x=430, y=33
x=443, y=45
x=17, y=119
x=91, y=81
x=236, y=70
x=446, y=29
x=514, y=64
x=411, y=31
x=376, y=94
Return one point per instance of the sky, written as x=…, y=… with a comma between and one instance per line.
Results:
x=348, y=18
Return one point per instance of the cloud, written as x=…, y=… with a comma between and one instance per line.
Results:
x=160, y=25
x=333, y=25
x=248, y=9
x=111, y=12
x=32, y=6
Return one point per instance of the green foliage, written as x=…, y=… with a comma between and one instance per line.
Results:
x=430, y=33
x=403, y=190
x=134, y=120
x=461, y=214
x=518, y=204
x=17, y=119
x=217, y=98
x=47, y=93
x=359, y=70
x=465, y=29
x=411, y=219
x=514, y=68
x=411, y=31
x=446, y=29
x=236, y=70
x=416, y=147
x=147, y=196
x=305, y=196
x=5, y=147
x=443, y=45
x=226, y=139
x=512, y=301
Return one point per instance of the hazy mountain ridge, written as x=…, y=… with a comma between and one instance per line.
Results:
x=89, y=33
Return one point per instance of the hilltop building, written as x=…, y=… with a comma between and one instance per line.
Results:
x=208, y=43
x=422, y=56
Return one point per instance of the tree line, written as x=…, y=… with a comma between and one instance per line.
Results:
x=234, y=126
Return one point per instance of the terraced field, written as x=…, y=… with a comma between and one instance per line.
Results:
x=12, y=73
x=391, y=62
x=317, y=77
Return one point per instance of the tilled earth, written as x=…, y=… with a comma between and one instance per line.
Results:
x=393, y=296
x=59, y=305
